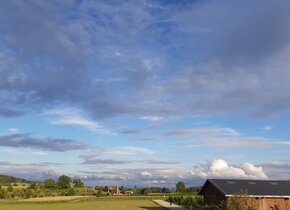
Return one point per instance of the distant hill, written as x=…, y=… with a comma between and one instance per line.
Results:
x=4, y=179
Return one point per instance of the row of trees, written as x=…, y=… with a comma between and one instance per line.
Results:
x=180, y=187
x=65, y=186
x=63, y=182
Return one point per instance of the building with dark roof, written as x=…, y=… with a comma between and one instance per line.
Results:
x=265, y=194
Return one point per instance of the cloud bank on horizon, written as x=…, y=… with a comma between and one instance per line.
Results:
x=118, y=87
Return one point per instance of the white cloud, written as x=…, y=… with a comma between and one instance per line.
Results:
x=256, y=171
x=151, y=118
x=147, y=63
x=130, y=151
x=13, y=130
x=219, y=168
x=230, y=132
x=240, y=141
x=267, y=127
x=277, y=170
x=73, y=116
x=40, y=153
x=196, y=175
x=145, y=173
x=201, y=131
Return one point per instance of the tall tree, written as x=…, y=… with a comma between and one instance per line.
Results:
x=180, y=187
x=63, y=182
x=78, y=183
x=49, y=183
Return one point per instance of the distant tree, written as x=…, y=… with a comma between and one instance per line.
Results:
x=99, y=188
x=27, y=193
x=71, y=192
x=145, y=191
x=165, y=190
x=113, y=190
x=2, y=193
x=33, y=186
x=180, y=187
x=99, y=193
x=63, y=182
x=106, y=189
x=78, y=183
x=49, y=184
x=10, y=188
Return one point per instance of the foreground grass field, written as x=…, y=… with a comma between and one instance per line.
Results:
x=88, y=205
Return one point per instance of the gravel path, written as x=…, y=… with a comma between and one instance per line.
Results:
x=168, y=206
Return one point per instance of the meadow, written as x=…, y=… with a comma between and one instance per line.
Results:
x=88, y=205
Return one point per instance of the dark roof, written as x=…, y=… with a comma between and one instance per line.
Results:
x=230, y=187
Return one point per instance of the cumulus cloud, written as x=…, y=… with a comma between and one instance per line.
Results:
x=145, y=173
x=219, y=168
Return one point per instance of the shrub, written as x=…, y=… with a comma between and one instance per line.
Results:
x=10, y=188
x=241, y=201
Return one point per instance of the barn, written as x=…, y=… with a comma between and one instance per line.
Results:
x=263, y=194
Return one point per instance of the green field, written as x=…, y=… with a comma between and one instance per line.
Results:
x=88, y=205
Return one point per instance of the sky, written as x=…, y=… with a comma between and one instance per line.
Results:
x=145, y=92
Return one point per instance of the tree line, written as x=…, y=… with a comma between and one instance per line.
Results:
x=63, y=186
x=66, y=186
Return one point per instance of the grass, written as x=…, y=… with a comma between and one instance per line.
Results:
x=87, y=205
x=174, y=194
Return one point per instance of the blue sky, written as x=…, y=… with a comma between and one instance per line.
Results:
x=145, y=92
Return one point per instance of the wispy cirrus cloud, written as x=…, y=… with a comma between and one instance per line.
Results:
x=151, y=118
x=73, y=116
x=240, y=142
x=139, y=129
x=187, y=132
x=43, y=144
x=200, y=131
x=13, y=130
x=129, y=150
x=95, y=160
x=267, y=127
